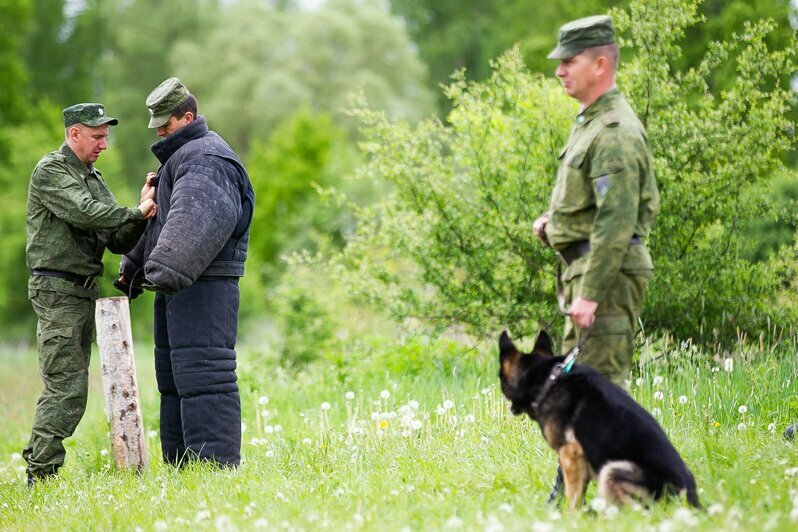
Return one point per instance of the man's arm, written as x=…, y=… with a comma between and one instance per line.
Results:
x=62, y=195
x=615, y=179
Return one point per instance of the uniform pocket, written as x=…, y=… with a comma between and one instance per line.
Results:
x=56, y=347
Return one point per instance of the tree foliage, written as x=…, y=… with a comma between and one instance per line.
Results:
x=453, y=242
x=258, y=64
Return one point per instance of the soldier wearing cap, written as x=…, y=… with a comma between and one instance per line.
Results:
x=604, y=202
x=72, y=217
x=192, y=254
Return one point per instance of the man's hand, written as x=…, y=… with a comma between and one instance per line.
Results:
x=131, y=291
x=148, y=191
x=148, y=208
x=583, y=312
x=539, y=228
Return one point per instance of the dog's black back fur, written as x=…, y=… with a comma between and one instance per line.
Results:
x=608, y=424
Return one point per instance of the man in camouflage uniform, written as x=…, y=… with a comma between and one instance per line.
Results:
x=603, y=206
x=72, y=218
x=604, y=203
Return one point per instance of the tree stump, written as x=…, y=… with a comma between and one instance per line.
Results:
x=122, y=408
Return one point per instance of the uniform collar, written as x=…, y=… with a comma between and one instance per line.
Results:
x=73, y=160
x=602, y=103
x=164, y=148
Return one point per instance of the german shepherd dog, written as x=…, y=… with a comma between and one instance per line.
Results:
x=597, y=430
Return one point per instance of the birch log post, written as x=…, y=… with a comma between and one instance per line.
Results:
x=122, y=408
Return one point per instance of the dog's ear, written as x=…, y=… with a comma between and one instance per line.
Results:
x=509, y=356
x=543, y=345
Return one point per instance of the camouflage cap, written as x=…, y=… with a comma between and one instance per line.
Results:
x=164, y=99
x=89, y=114
x=578, y=35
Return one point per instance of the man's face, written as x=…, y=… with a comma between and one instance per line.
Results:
x=88, y=142
x=174, y=124
x=577, y=75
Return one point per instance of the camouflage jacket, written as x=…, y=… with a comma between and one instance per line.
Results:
x=72, y=218
x=605, y=193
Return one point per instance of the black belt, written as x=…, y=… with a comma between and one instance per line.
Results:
x=579, y=249
x=80, y=280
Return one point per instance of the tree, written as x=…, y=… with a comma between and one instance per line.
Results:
x=453, y=243
x=258, y=65
x=305, y=153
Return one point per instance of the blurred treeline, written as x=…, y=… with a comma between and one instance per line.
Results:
x=274, y=78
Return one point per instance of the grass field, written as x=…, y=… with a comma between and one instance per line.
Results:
x=413, y=437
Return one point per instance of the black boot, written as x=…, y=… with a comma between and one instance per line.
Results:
x=35, y=478
x=790, y=432
x=558, y=490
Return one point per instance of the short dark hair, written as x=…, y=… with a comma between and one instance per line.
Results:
x=190, y=105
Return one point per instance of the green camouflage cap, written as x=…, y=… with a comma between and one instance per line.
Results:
x=89, y=114
x=164, y=99
x=578, y=35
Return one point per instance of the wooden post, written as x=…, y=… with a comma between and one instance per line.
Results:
x=122, y=408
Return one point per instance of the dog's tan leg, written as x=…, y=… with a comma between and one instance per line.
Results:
x=575, y=471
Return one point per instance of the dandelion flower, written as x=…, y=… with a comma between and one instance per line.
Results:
x=742, y=409
x=383, y=423
x=325, y=405
x=772, y=428
x=656, y=412
x=639, y=382
x=598, y=504
x=715, y=509
x=16, y=456
x=658, y=395
x=307, y=441
x=413, y=404
x=728, y=365
x=485, y=391
x=791, y=472
x=263, y=400
x=685, y=516
x=349, y=395
x=385, y=394
x=448, y=404
x=742, y=426
x=658, y=380
x=104, y=452
x=682, y=399
x=268, y=429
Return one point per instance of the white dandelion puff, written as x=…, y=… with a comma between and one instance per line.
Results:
x=742, y=409
x=682, y=399
x=349, y=395
x=263, y=400
x=658, y=380
x=728, y=365
x=448, y=404
x=658, y=395
x=385, y=394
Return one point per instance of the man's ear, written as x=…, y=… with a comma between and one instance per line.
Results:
x=543, y=344
x=189, y=116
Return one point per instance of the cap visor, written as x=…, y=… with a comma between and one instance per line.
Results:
x=158, y=120
x=562, y=52
x=101, y=121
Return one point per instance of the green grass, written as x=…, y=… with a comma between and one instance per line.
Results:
x=364, y=464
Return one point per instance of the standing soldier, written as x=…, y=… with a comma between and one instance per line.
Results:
x=193, y=255
x=72, y=218
x=604, y=203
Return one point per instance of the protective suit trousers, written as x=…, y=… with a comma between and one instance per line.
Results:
x=195, y=367
x=64, y=333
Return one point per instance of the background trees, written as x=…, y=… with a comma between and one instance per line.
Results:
x=276, y=77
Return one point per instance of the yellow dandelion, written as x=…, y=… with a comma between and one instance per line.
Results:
x=383, y=423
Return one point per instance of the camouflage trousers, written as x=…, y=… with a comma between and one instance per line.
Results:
x=610, y=346
x=64, y=335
